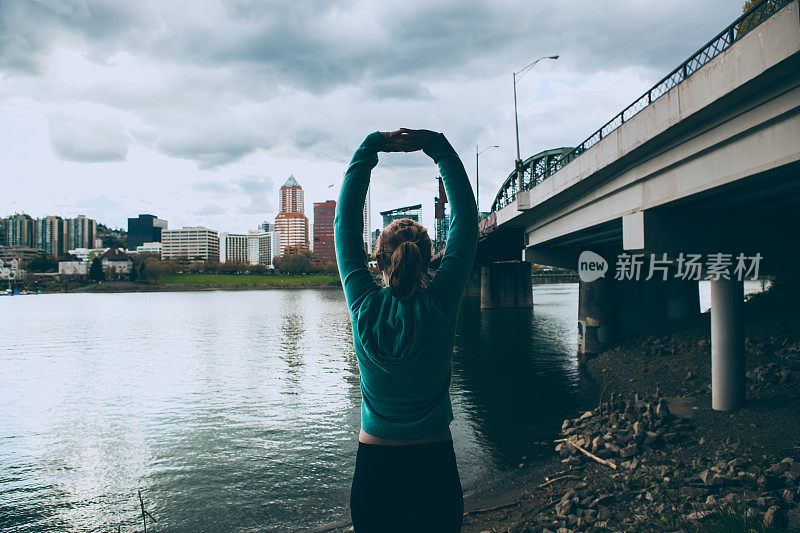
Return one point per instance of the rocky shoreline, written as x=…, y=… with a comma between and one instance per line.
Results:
x=632, y=465
x=654, y=456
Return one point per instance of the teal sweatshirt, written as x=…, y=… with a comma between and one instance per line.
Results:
x=405, y=348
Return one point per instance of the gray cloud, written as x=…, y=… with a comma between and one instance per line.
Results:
x=213, y=65
x=87, y=141
x=256, y=191
x=399, y=90
x=30, y=29
x=209, y=210
x=207, y=151
x=318, y=46
x=216, y=187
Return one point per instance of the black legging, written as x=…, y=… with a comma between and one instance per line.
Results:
x=406, y=489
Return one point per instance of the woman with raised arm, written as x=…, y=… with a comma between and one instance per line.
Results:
x=406, y=478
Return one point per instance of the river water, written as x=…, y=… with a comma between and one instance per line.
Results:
x=239, y=411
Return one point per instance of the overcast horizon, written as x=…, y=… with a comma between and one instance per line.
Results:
x=197, y=112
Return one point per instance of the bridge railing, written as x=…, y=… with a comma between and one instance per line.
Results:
x=534, y=169
x=721, y=42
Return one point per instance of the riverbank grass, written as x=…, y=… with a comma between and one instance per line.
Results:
x=248, y=280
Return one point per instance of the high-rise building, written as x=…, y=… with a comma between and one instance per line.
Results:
x=145, y=228
x=266, y=226
x=19, y=230
x=412, y=211
x=81, y=232
x=291, y=224
x=257, y=247
x=261, y=247
x=190, y=243
x=50, y=235
x=374, y=239
x=323, y=231
x=442, y=230
x=232, y=247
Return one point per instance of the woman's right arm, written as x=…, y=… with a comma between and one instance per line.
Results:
x=348, y=224
x=462, y=240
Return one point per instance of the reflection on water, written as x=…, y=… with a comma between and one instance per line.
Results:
x=239, y=410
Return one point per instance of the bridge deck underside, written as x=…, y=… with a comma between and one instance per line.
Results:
x=758, y=214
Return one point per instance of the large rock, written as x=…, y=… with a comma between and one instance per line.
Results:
x=793, y=473
x=613, y=448
x=739, y=462
x=778, y=468
x=771, y=516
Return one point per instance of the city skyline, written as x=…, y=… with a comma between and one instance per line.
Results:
x=112, y=109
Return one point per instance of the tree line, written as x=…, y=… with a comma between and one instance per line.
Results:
x=149, y=267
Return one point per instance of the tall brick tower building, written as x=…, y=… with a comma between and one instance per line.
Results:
x=324, y=213
x=291, y=223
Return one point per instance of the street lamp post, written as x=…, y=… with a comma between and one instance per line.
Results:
x=520, y=73
x=477, y=183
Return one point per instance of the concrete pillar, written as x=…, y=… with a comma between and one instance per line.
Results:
x=506, y=285
x=595, y=316
x=728, y=390
x=473, y=289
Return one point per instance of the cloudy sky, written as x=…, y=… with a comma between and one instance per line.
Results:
x=197, y=111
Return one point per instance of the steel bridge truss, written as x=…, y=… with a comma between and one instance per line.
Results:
x=535, y=169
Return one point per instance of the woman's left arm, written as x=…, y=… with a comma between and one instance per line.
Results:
x=357, y=280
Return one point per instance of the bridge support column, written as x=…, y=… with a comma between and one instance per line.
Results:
x=595, y=316
x=610, y=310
x=728, y=391
x=473, y=289
x=505, y=285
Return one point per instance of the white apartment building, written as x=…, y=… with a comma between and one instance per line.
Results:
x=149, y=248
x=232, y=247
x=85, y=254
x=73, y=266
x=262, y=246
x=253, y=248
x=191, y=243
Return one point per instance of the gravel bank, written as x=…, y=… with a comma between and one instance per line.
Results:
x=671, y=462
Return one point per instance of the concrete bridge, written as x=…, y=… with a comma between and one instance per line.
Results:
x=706, y=162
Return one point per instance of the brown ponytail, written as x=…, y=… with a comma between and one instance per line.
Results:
x=405, y=251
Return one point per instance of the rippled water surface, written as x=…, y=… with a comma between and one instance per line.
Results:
x=239, y=411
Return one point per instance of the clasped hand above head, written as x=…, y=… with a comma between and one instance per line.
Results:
x=405, y=140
